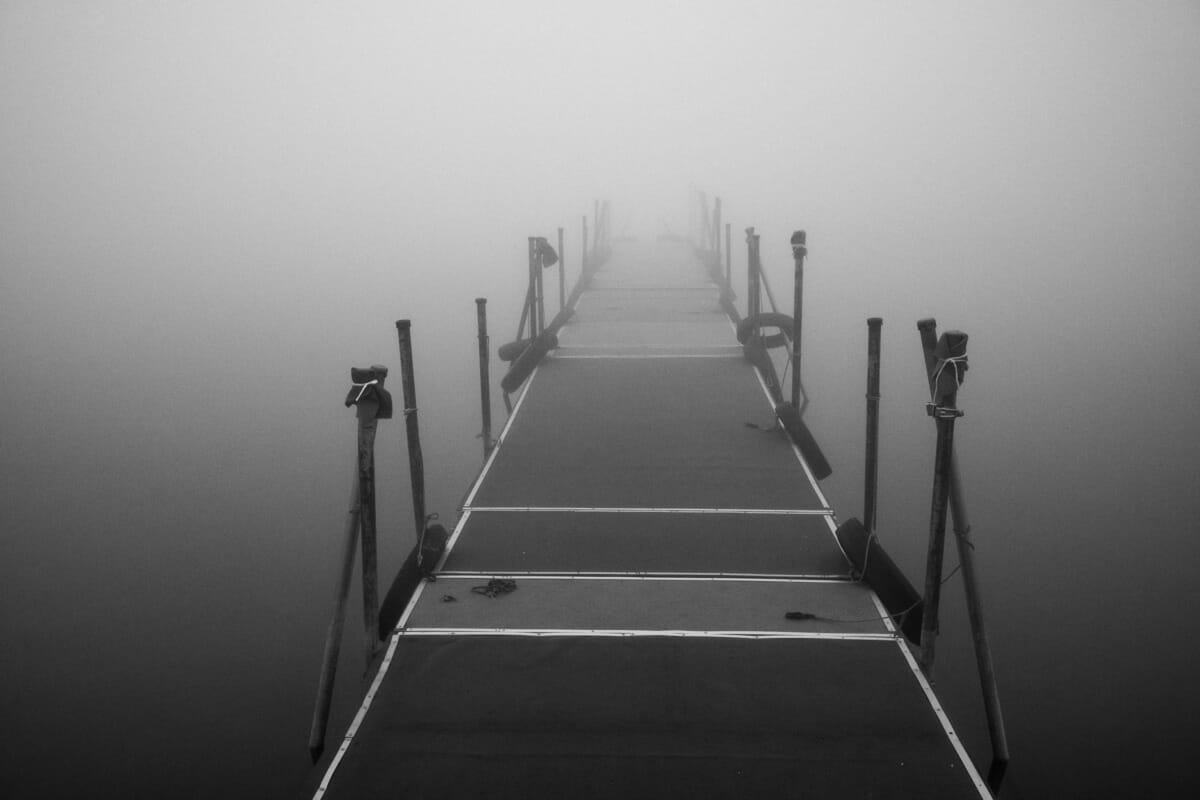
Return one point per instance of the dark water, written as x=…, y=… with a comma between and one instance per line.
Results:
x=208, y=215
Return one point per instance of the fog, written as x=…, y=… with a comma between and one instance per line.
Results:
x=209, y=212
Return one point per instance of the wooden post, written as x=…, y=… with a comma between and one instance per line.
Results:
x=752, y=297
x=583, y=260
x=534, y=330
x=728, y=257
x=333, y=637
x=966, y=558
x=715, y=244
x=874, y=330
x=799, y=250
x=367, y=411
x=416, y=463
x=485, y=386
x=562, y=272
x=538, y=269
x=595, y=226
x=952, y=345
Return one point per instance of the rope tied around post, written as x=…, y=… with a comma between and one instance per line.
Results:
x=949, y=352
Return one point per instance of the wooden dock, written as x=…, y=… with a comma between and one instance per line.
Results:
x=610, y=619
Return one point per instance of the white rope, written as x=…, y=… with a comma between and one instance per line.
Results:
x=363, y=388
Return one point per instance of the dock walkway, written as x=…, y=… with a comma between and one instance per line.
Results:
x=653, y=527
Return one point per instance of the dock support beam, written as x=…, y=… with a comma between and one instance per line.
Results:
x=871, y=472
x=485, y=385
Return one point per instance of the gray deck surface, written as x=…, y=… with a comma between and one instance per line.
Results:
x=657, y=527
x=564, y=542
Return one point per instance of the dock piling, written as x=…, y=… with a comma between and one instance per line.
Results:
x=728, y=257
x=951, y=354
x=966, y=559
x=871, y=472
x=799, y=251
x=562, y=277
x=485, y=387
x=371, y=404
x=752, y=291
x=416, y=463
x=715, y=243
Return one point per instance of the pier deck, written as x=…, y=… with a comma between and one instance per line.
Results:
x=657, y=527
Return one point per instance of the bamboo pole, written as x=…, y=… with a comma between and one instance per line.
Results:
x=728, y=257
x=752, y=294
x=366, y=411
x=944, y=411
x=416, y=463
x=871, y=472
x=333, y=637
x=799, y=250
x=715, y=243
x=485, y=386
x=583, y=260
x=966, y=557
x=562, y=272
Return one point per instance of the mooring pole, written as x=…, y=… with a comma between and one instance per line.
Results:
x=951, y=352
x=799, y=251
x=562, y=272
x=485, y=387
x=596, y=225
x=752, y=298
x=715, y=243
x=966, y=559
x=728, y=257
x=367, y=411
x=333, y=637
x=538, y=258
x=532, y=294
x=416, y=464
x=583, y=259
x=871, y=473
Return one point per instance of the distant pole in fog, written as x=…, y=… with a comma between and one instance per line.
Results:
x=728, y=257
x=799, y=251
x=539, y=259
x=715, y=242
x=871, y=471
x=583, y=259
x=485, y=388
x=562, y=272
x=534, y=330
x=752, y=294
